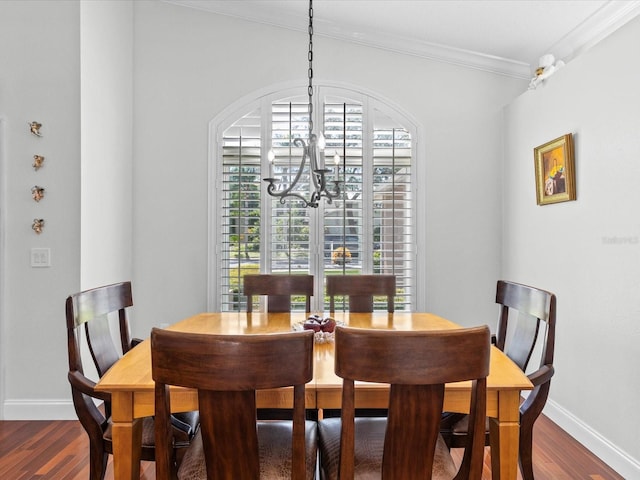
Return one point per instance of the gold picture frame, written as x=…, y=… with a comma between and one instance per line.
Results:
x=555, y=173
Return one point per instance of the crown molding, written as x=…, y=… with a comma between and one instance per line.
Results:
x=606, y=20
x=432, y=51
x=603, y=22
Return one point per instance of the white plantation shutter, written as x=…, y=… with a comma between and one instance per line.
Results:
x=369, y=228
x=372, y=220
x=289, y=244
x=392, y=211
x=240, y=213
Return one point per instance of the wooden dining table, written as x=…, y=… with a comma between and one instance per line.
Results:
x=132, y=389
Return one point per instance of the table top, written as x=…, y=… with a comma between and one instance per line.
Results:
x=133, y=371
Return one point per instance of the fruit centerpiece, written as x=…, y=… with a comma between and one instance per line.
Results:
x=322, y=327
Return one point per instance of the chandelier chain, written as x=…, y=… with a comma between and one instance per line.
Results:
x=310, y=58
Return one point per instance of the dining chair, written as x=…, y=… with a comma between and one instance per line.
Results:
x=526, y=315
x=406, y=444
x=279, y=288
x=361, y=289
x=227, y=370
x=93, y=309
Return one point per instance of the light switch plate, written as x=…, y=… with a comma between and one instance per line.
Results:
x=40, y=257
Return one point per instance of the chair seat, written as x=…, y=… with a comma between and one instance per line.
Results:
x=148, y=440
x=274, y=438
x=369, y=445
x=462, y=426
x=457, y=424
x=184, y=424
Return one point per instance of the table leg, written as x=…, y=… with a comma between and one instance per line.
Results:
x=504, y=436
x=127, y=437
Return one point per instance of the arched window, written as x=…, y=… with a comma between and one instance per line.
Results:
x=369, y=228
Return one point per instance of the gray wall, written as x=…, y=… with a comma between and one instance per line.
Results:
x=587, y=251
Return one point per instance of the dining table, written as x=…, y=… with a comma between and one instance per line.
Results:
x=131, y=386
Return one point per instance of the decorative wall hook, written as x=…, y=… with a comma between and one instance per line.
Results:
x=34, y=127
x=38, y=225
x=38, y=160
x=37, y=192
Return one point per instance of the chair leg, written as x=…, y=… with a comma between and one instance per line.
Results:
x=97, y=461
x=530, y=410
x=525, y=455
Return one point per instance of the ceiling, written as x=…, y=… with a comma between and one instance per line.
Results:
x=501, y=36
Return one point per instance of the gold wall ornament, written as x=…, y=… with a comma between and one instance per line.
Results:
x=38, y=160
x=38, y=225
x=34, y=128
x=37, y=193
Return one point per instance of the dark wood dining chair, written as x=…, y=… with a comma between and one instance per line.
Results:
x=527, y=314
x=93, y=310
x=407, y=443
x=361, y=289
x=279, y=288
x=227, y=370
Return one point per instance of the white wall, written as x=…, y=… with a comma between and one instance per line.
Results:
x=107, y=141
x=587, y=251
x=191, y=65
x=47, y=58
x=39, y=80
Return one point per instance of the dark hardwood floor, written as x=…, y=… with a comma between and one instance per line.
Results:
x=59, y=450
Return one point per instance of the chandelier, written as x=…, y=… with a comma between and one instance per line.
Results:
x=310, y=152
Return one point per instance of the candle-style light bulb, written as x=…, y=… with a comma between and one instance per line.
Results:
x=321, y=142
x=271, y=156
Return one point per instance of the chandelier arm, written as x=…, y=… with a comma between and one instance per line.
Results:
x=287, y=192
x=298, y=142
x=324, y=192
x=306, y=202
x=318, y=185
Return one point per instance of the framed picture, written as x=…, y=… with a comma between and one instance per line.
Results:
x=555, y=174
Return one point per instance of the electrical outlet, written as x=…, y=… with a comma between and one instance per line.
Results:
x=40, y=257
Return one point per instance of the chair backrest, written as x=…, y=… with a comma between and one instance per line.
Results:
x=417, y=365
x=92, y=308
x=227, y=370
x=532, y=307
x=360, y=289
x=278, y=288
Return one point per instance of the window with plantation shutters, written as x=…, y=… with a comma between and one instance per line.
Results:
x=240, y=215
x=368, y=229
x=393, y=237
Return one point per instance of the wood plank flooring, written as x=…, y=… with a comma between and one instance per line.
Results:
x=58, y=450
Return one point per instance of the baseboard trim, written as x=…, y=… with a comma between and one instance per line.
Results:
x=619, y=460
x=30, y=409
